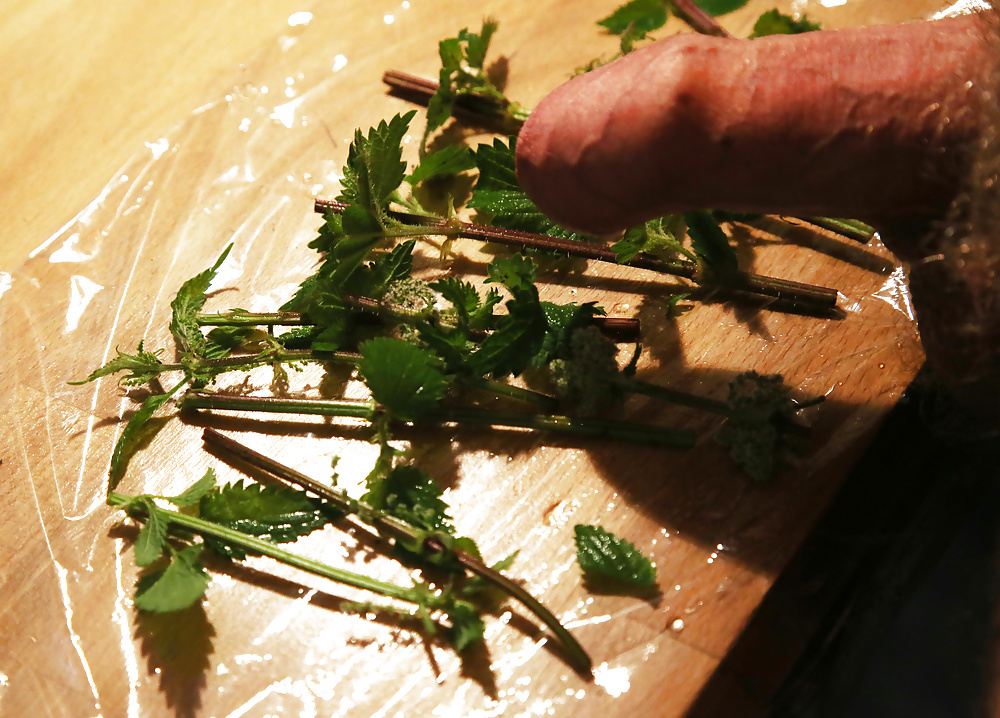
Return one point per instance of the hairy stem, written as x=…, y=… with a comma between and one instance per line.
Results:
x=369, y=411
x=390, y=526
x=796, y=293
x=253, y=544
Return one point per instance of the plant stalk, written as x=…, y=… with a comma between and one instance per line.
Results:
x=370, y=411
x=796, y=293
x=389, y=525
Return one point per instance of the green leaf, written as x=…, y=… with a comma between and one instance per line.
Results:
x=186, y=305
x=152, y=538
x=445, y=162
x=405, y=379
x=602, y=554
x=517, y=273
x=194, y=493
x=375, y=167
x=562, y=321
x=638, y=15
x=467, y=626
x=178, y=586
x=221, y=341
x=710, y=242
x=774, y=22
x=386, y=269
x=477, y=45
x=497, y=192
x=142, y=367
x=134, y=434
x=411, y=495
x=276, y=514
x=715, y=8
x=462, y=72
x=654, y=237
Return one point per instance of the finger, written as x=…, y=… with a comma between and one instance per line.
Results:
x=864, y=122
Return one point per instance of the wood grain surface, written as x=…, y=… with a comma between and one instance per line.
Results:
x=142, y=138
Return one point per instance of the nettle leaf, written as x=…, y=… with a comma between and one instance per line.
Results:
x=461, y=72
x=519, y=334
x=179, y=586
x=411, y=495
x=276, y=514
x=517, y=273
x=715, y=8
x=472, y=311
x=134, y=434
x=186, y=305
x=406, y=379
x=774, y=22
x=497, y=192
x=518, y=337
x=477, y=45
x=194, y=493
x=602, y=554
x=654, y=237
x=445, y=162
x=221, y=341
x=638, y=15
x=152, y=538
x=142, y=367
x=467, y=627
x=375, y=166
x=710, y=243
x=373, y=278
x=562, y=321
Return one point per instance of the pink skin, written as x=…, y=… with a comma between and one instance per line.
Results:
x=864, y=122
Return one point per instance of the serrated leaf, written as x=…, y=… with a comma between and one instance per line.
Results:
x=142, y=367
x=221, y=341
x=517, y=273
x=445, y=162
x=641, y=15
x=774, y=22
x=178, y=586
x=134, y=434
x=715, y=8
x=194, y=493
x=276, y=514
x=467, y=626
x=710, y=243
x=152, y=538
x=498, y=192
x=653, y=237
x=562, y=320
x=406, y=379
x=375, y=166
x=600, y=553
x=186, y=305
x=411, y=495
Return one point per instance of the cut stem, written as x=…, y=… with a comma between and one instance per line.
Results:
x=393, y=527
x=795, y=293
x=251, y=543
x=369, y=411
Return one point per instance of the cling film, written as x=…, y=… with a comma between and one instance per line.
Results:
x=245, y=170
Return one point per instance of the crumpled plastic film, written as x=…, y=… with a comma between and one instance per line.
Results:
x=245, y=170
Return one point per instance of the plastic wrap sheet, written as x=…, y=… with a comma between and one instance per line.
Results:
x=245, y=170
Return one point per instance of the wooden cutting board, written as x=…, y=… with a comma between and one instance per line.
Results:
x=140, y=141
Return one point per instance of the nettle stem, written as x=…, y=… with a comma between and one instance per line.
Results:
x=620, y=329
x=253, y=544
x=797, y=294
x=369, y=411
x=396, y=529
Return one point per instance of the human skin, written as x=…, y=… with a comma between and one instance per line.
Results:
x=867, y=122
